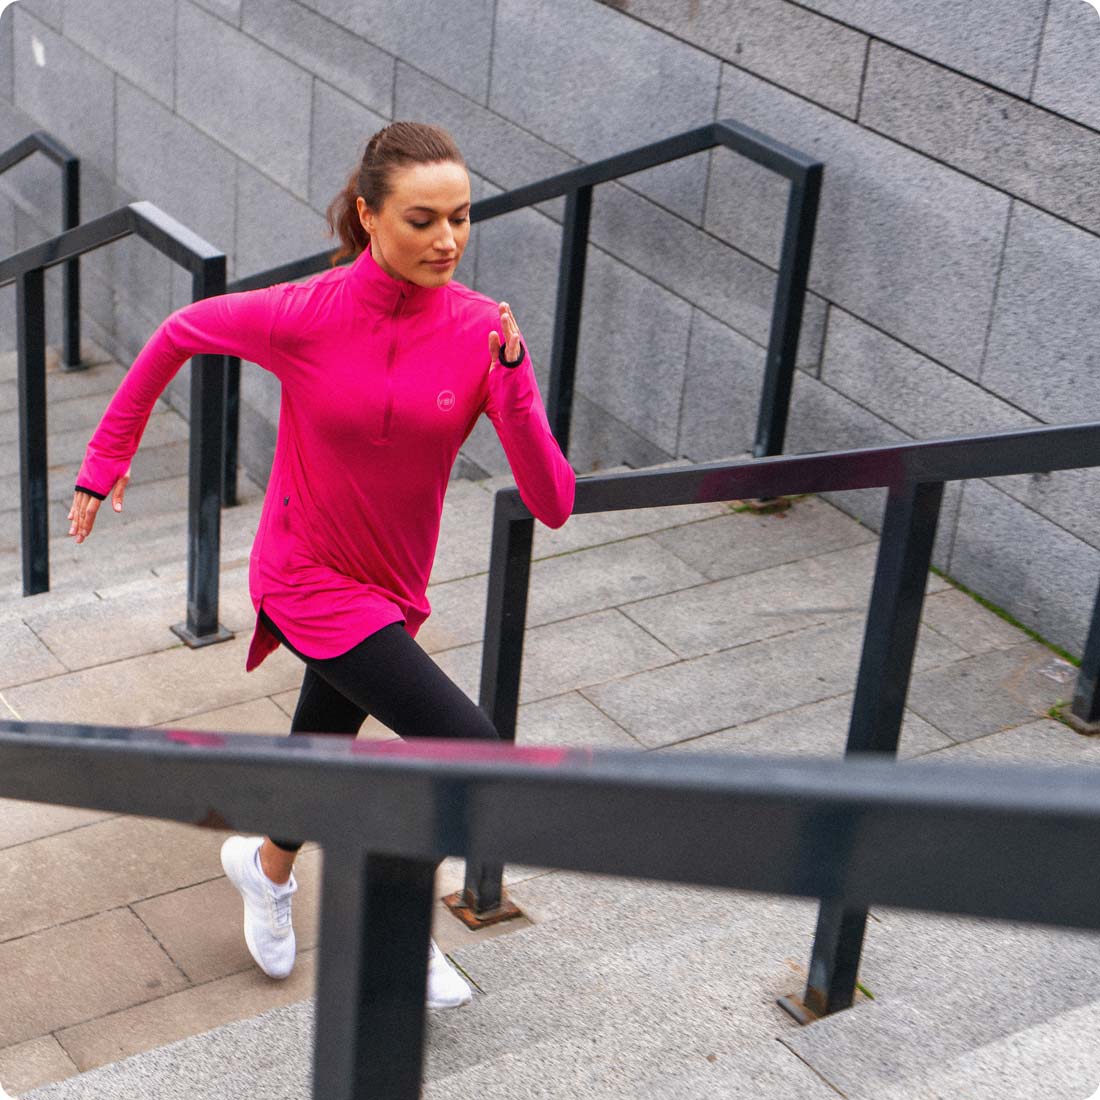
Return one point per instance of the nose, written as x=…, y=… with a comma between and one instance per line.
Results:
x=445, y=242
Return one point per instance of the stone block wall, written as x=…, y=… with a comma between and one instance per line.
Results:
x=956, y=269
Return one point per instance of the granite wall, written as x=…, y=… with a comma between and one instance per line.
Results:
x=957, y=264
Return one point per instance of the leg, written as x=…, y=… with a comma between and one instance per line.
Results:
x=390, y=676
x=321, y=709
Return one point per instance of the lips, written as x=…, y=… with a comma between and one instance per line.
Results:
x=440, y=265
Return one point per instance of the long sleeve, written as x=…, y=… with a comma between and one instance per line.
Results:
x=545, y=480
x=228, y=324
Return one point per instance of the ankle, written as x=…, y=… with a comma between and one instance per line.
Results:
x=275, y=863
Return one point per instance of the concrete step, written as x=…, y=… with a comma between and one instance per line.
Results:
x=579, y=1005
x=1053, y=1060
x=129, y=545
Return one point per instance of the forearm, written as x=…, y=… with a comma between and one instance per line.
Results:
x=545, y=480
x=116, y=438
x=227, y=324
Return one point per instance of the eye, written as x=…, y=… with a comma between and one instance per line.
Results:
x=461, y=221
x=420, y=225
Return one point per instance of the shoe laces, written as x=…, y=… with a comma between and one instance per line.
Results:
x=278, y=906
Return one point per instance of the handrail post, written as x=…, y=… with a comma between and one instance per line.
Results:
x=376, y=917
x=567, y=313
x=1084, y=712
x=886, y=662
x=501, y=663
x=70, y=197
x=207, y=433
x=30, y=309
x=790, y=297
x=230, y=498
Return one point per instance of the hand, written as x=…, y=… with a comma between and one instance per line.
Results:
x=510, y=329
x=82, y=513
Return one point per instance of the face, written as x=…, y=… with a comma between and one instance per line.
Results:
x=422, y=228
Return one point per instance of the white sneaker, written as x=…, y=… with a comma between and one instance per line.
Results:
x=267, y=928
x=446, y=987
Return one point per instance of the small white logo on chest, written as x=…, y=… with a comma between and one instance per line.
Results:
x=445, y=400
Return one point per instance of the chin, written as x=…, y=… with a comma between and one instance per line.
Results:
x=429, y=277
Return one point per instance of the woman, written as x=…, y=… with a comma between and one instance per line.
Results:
x=385, y=366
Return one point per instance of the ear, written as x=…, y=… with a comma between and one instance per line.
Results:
x=366, y=218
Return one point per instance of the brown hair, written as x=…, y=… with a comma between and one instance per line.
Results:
x=394, y=146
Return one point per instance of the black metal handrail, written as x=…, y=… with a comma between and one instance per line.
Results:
x=42, y=142
x=859, y=833
x=207, y=266
x=914, y=474
x=805, y=176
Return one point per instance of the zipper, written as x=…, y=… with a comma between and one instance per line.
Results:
x=387, y=416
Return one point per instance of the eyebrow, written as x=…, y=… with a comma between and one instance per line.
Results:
x=432, y=210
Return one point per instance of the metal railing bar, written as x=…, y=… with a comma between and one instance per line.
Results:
x=286, y=273
x=1001, y=841
x=377, y=912
x=30, y=307
x=1085, y=709
x=42, y=142
x=763, y=149
x=567, y=312
x=789, y=302
x=208, y=383
x=997, y=455
x=878, y=709
x=597, y=172
x=179, y=243
x=99, y=231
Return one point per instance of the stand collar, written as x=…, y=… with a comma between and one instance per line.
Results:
x=378, y=290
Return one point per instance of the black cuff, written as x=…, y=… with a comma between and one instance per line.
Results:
x=516, y=362
x=91, y=492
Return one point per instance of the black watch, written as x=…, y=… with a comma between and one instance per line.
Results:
x=514, y=362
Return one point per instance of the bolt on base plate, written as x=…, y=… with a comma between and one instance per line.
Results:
x=459, y=905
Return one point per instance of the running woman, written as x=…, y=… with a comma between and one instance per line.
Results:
x=385, y=365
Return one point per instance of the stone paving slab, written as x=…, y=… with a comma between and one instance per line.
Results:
x=1056, y=1059
x=21, y=822
x=817, y=729
x=722, y=549
x=58, y=988
x=145, y=690
x=102, y=866
x=35, y=1062
x=192, y=1011
x=560, y=657
x=759, y=605
x=964, y=621
x=747, y=682
x=991, y=691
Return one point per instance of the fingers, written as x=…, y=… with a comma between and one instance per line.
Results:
x=510, y=330
x=82, y=515
x=119, y=491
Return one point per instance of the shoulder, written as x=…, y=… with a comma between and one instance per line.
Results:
x=471, y=306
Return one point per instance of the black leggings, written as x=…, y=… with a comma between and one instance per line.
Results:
x=387, y=675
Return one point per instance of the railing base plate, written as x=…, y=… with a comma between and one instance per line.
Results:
x=470, y=917
x=793, y=1007
x=197, y=641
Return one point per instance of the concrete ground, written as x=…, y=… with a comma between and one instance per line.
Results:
x=693, y=629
